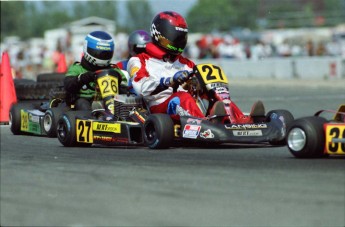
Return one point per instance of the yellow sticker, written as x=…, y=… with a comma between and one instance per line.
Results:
x=107, y=127
x=24, y=121
x=84, y=131
x=212, y=74
x=108, y=86
x=133, y=71
x=335, y=138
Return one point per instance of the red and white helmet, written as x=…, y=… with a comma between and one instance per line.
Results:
x=169, y=30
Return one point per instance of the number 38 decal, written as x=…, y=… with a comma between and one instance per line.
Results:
x=335, y=138
x=212, y=74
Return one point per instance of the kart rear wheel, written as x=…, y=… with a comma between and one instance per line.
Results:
x=306, y=137
x=50, y=119
x=66, y=128
x=159, y=131
x=15, y=117
x=287, y=118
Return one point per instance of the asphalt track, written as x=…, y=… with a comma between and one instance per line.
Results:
x=46, y=184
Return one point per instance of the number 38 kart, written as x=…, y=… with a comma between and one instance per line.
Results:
x=133, y=124
x=316, y=137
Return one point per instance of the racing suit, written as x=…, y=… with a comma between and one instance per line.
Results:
x=147, y=70
x=83, y=94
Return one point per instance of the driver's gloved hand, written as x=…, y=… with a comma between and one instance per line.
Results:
x=86, y=78
x=179, y=78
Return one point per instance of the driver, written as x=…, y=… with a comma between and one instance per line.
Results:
x=159, y=71
x=161, y=68
x=79, y=81
x=137, y=41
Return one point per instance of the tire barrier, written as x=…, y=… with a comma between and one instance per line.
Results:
x=38, y=90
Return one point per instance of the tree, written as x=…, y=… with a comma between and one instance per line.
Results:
x=139, y=15
x=103, y=9
x=222, y=15
x=12, y=16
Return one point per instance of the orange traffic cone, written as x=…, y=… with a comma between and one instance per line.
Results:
x=8, y=92
x=61, y=67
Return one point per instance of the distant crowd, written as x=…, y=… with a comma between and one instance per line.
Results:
x=28, y=61
x=210, y=46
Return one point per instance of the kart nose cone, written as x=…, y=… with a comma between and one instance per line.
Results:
x=296, y=139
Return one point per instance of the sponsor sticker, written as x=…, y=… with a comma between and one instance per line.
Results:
x=194, y=121
x=133, y=71
x=191, y=131
x=106, y=127
x=245, y=126
x=207, y=134
x=247, y=132
x=33, y=118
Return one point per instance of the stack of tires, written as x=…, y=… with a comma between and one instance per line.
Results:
x=38, y=90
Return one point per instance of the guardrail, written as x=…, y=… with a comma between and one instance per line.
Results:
x=282, y=68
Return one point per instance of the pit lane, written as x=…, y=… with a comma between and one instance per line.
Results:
x=45, y=184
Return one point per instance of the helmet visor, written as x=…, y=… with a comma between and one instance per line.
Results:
x=100, y=54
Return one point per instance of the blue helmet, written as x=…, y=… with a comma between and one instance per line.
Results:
x=99, y=48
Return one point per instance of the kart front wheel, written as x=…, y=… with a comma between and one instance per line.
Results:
x=66, y=128
x=306, y=137
x=159, y=131
x=15, y=117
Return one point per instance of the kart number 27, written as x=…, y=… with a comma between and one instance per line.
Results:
x=212, y=74
x=84, y=131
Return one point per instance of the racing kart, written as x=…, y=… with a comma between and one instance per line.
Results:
x=84, y=128
x=316, y=137
x=135, y=125
x=38, y=118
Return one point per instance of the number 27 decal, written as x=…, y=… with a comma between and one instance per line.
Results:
x=84, y=131
x=212, y=74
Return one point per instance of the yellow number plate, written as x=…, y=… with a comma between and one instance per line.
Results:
x=108, y=85
x=84, y=131
x=212, y=74
x=335, y=138
x=24, y=121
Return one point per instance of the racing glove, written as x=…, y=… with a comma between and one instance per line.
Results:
x=86, y=78
x=179, y=78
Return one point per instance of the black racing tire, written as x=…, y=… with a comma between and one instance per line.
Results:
x=288, y=119
x=15, y=117
x=306, y=137
x=66, y=128
x=50, y=77
x=159, y=131
x=50, y=119
x=24, y=90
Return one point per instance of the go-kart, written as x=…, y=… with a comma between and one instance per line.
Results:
x=84, y=128
x=38, y=118
x=135, y=125
x=317, y=137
